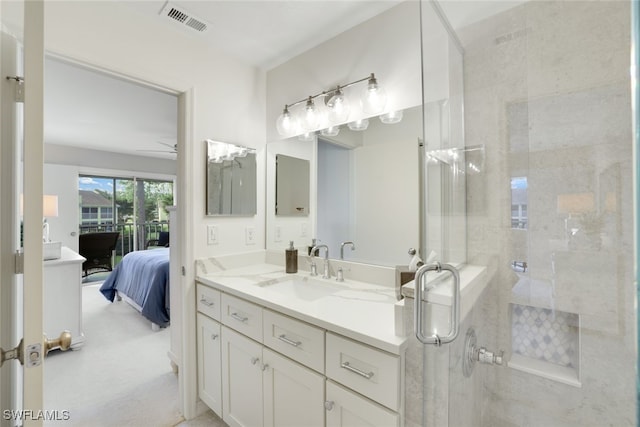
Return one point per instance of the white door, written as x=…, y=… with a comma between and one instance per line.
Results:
x=241, y=380
x=293, y=394
x=25, y=383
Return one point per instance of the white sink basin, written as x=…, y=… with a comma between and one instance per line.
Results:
x=302, y=287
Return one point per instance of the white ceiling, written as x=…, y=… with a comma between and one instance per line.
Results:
x=93, y=110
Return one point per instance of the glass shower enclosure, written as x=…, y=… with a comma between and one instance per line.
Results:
x=529, y=138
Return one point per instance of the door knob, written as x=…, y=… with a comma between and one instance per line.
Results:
x=63, y=342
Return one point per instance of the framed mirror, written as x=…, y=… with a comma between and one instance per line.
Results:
x=292, y=186
x=231, y=179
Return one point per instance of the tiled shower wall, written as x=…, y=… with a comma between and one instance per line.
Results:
x=547, y=93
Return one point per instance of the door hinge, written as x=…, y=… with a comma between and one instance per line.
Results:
x=19, y=262
x=18, y=87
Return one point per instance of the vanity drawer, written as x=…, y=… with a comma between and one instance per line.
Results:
x=208, y=301
x=367, y=370
x=243, y=316
x=300, y=341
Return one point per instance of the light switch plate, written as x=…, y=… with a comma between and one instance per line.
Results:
x=212, y=234
x=303, y=229
x=277, y=235
x=250, y=235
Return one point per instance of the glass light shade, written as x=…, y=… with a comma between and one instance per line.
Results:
x=359, y=124
x=286, y=123
x=339, y=107
x=391, y=117
x=310, y=119
x=330, y=131
x=307, y=136
x=374, y=98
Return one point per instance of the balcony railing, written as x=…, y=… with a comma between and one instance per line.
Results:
x=127, y=242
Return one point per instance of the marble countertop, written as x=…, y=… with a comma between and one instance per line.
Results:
x=358, y=310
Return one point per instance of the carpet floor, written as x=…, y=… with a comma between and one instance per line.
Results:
x=121, y=376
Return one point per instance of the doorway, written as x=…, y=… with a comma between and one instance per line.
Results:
x=122, y=358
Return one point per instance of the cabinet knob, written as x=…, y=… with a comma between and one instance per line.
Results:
x=255, y=360
x=328, y=405
x=265, y=367
x=214, y=336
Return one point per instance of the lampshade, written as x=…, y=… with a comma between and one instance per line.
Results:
x=310, y=119
x=359, y=124
x=338, y=107
x=307, y=136
x=391, y=117
x=49, y=206
x=286, y=123
x=374, y=98
x=576, y=203
x=330, y=131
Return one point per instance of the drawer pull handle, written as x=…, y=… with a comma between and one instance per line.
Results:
x=328, y=405
x=206, y=302
x=283, y=338
x=350, y=368
x=239, y=318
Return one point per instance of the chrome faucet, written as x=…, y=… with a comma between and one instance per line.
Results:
x=325, y=274
x=342, y=245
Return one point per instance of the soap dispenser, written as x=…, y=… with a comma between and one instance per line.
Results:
x=291, y=259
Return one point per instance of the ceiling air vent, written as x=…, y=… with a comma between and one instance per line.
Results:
x=180, y=16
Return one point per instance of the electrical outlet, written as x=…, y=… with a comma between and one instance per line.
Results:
x=250, y=236
x=212, y=234
x=277, y=236
x=303, y=229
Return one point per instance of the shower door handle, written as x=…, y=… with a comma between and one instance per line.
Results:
x=455, y=307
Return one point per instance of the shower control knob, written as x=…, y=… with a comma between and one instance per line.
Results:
x=489, y=358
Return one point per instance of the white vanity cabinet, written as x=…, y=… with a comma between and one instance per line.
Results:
x=209, y=362
x=293, y=394
x=346, y=408
x=242, y=393
x=276, y=370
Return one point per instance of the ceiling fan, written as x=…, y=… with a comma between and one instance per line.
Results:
x=171, y=148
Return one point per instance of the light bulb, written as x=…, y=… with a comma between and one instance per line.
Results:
x=359, y=124
x=391, y=117
x=310, y=116
x=338, y=107
x=330, y=131
x=286, y=123
x=374, y=98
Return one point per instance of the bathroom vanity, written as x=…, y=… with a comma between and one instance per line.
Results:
x=292, y=349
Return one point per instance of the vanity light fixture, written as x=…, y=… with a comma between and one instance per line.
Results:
x=373, y=101
x=218, y=152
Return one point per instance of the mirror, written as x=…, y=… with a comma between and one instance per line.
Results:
x=231, y=179
x=292, y=186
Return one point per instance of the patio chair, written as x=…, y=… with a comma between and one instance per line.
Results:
x=162, y=240
x=98, y=249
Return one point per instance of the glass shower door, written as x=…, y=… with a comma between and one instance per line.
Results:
x=549, y=214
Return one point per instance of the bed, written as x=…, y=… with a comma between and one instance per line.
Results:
x=142, y=279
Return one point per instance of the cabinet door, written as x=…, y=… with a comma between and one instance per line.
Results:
x=242, y=395
x=347, y=409
x=293, y=394
x=209, y=363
